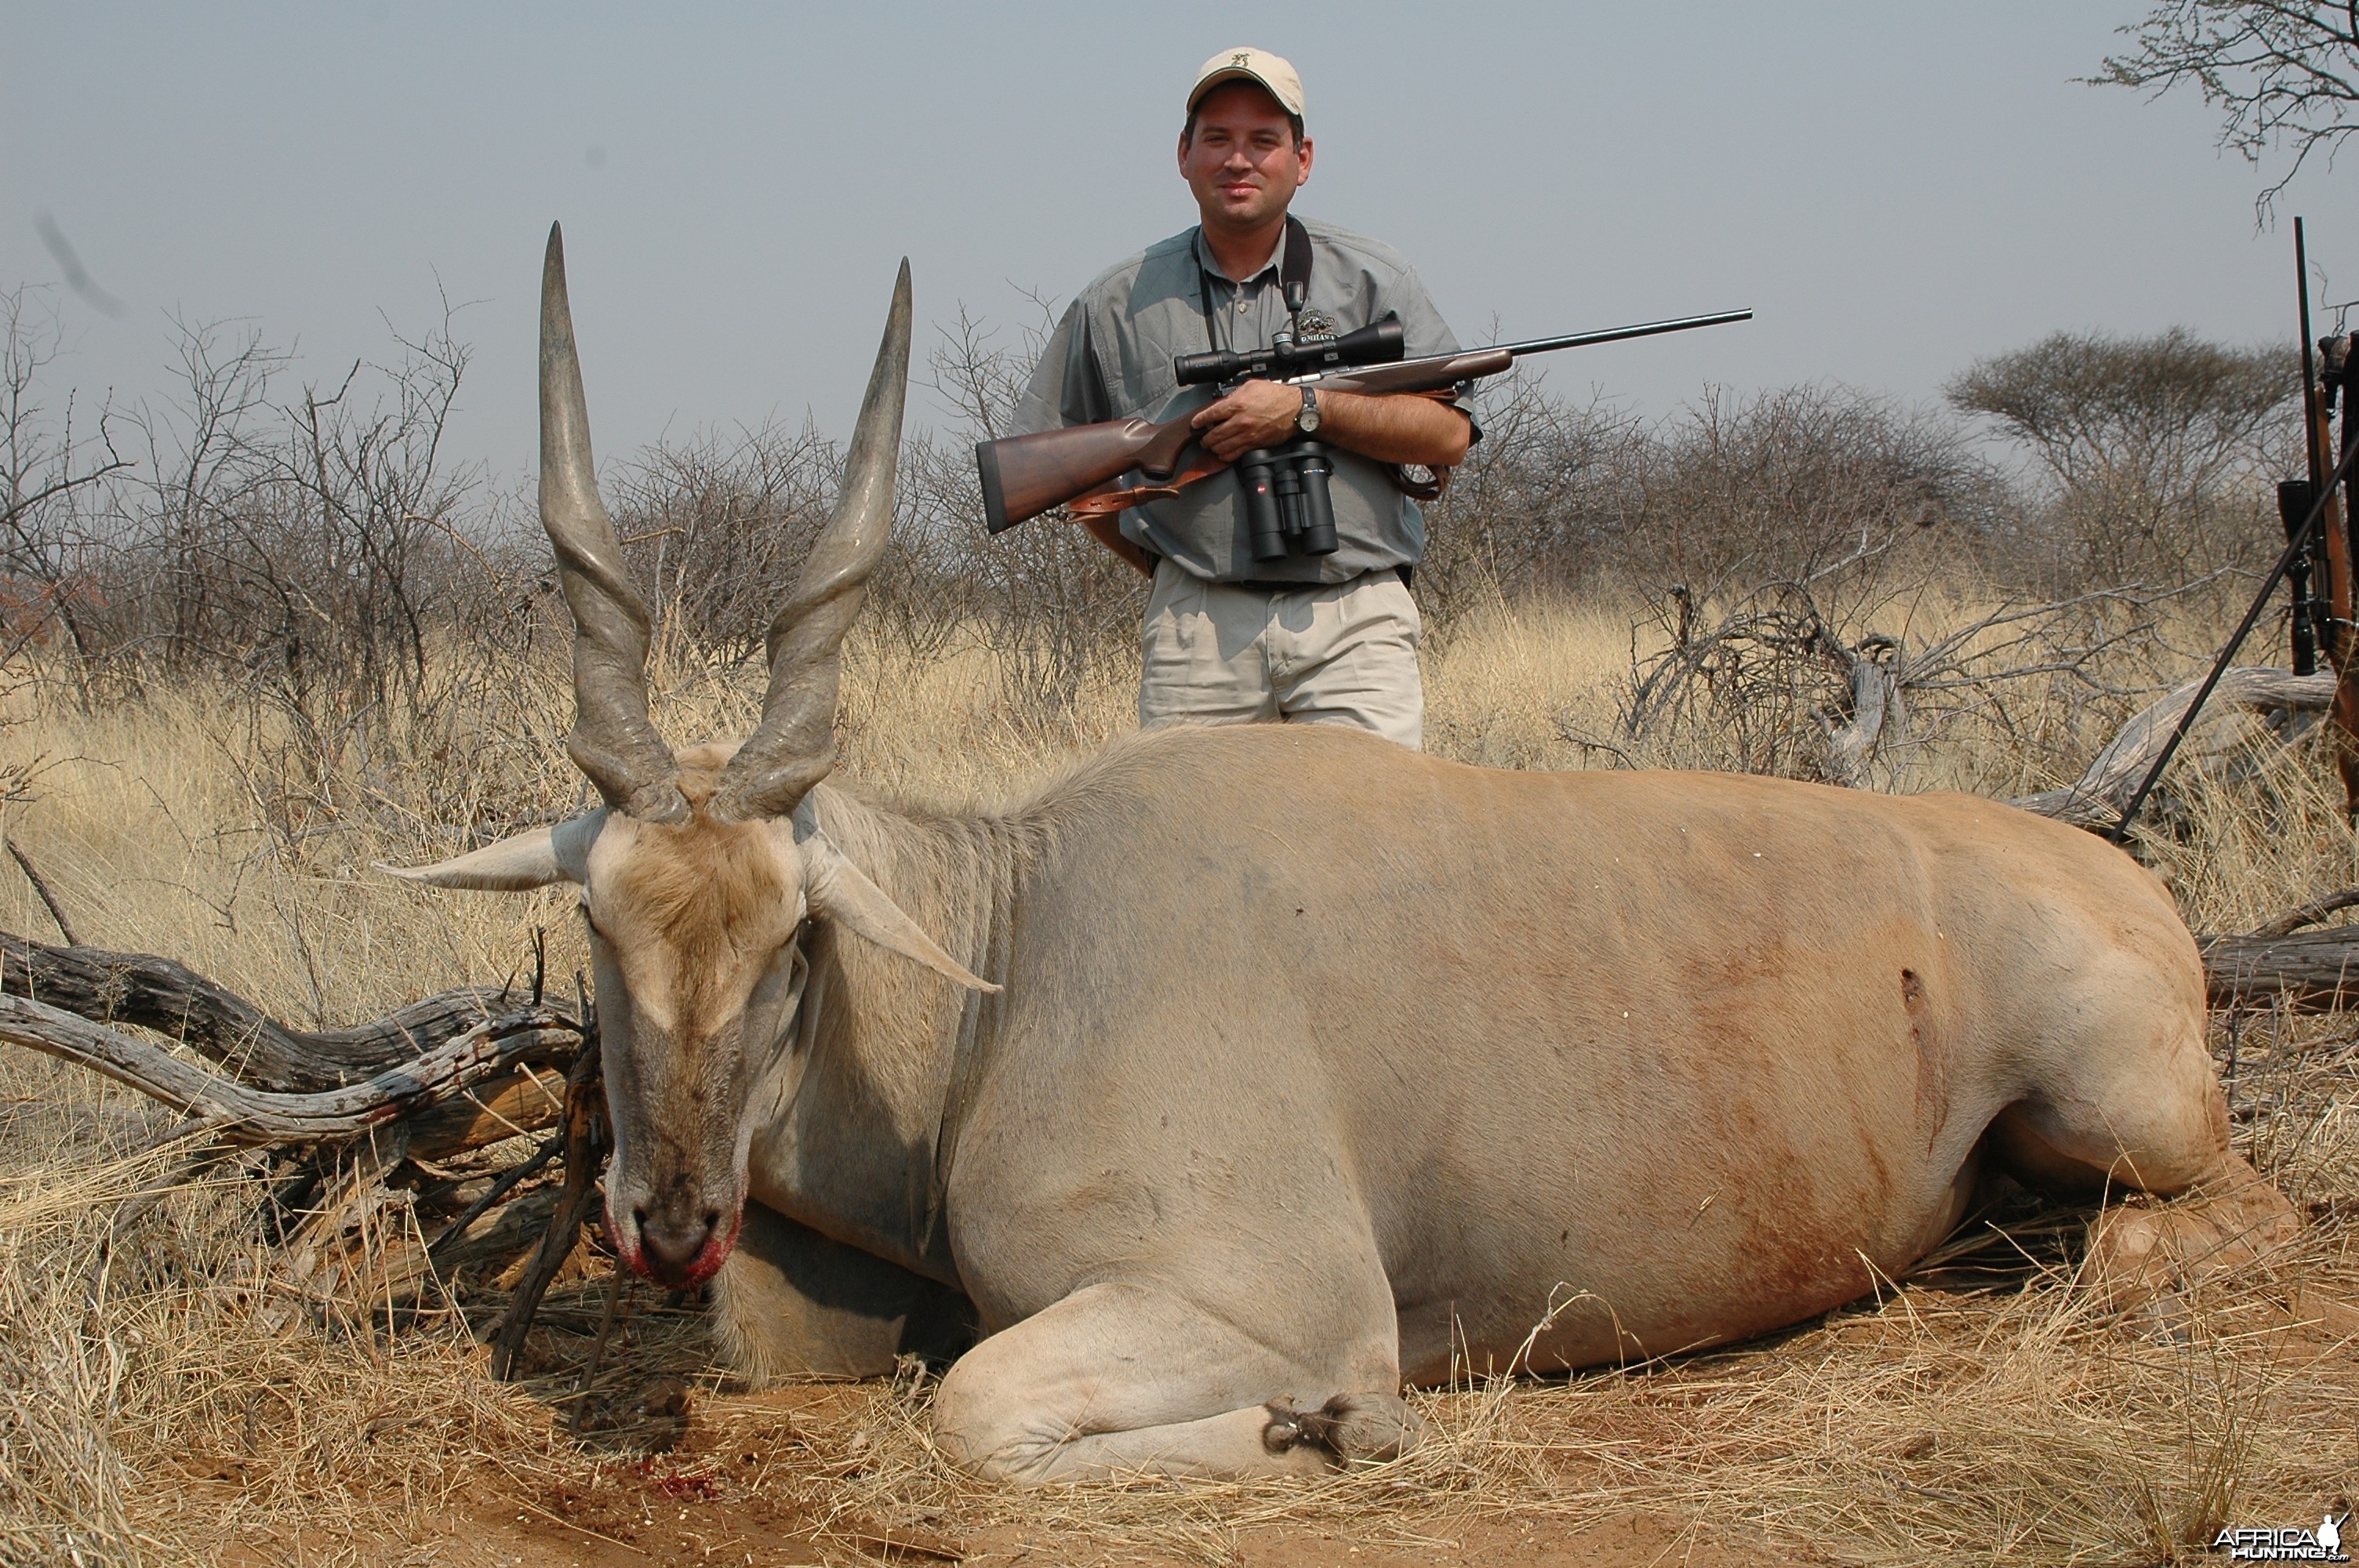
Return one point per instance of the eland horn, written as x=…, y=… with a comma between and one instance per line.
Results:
x=613, y=742
x=795, y=745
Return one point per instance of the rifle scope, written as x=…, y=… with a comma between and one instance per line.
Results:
x=1379, y=343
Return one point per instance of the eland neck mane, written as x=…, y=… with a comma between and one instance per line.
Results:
x=876, y=1043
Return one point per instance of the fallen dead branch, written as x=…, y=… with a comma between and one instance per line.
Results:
x=221, y=1026
x=417, y=1116
x=2309, y=914
x=2281, y=963
x=231, y=1112
x=1793, y=676
x=585, y=1148
x=2099, y=796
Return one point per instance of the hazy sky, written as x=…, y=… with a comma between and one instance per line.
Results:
x=1897, y=188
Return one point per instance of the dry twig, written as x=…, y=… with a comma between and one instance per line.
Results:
x=42, y=890
x=585, y=1157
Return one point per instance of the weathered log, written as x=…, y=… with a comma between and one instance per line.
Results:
x=1876, y=701
x=156, y=994
x=498, y=1189
x=2102, y=793
x=2311, y=971
x=485, y=1253
x=439, y=1077
x=400, y=1269
x=371, y=1263
x=529, y=1099
x=235, y=1113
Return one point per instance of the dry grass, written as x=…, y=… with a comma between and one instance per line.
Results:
x=173, y=1403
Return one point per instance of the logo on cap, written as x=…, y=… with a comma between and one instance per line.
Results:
x=1253, y=65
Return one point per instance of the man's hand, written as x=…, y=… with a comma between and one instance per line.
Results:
x=1257, y=414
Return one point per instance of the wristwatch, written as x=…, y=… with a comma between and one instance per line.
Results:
x=1307, y=422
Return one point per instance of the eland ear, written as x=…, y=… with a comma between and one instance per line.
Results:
x=841, y=892
x=528, y=860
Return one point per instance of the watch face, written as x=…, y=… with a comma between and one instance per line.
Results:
x=1308, y=420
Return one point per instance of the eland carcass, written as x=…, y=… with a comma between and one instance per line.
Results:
x=1243, y=1075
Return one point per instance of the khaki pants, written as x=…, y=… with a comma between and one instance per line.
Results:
x=1344, y=653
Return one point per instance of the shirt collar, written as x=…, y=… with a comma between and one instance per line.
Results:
x=1211, y=267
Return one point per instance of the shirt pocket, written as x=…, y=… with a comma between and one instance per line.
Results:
x=1143, y=388
x=1134, y=358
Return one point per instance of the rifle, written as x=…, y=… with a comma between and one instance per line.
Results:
x=1080, y=466
x=2332, y=609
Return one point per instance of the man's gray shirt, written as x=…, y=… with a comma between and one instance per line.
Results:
x=1110, y=358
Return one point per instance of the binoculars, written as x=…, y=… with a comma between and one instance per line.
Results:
x=1287, y=506
x=1286, y=501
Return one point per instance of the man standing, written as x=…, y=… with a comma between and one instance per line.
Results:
x=1319, y=638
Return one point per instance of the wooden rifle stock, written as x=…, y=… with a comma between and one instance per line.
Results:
x=1024, y=476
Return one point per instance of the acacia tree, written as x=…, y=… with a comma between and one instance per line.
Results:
x=2284, y=73
x=2142, y=435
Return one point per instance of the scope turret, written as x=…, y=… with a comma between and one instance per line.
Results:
x=1379, y=343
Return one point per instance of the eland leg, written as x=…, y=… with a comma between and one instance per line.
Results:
x=1122, y=1377
x=790, y=1303
x=2152, y=1118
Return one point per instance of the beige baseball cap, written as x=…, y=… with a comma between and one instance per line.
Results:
x=1250, y=65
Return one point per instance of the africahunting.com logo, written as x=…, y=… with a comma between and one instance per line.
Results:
x=2295, y=1544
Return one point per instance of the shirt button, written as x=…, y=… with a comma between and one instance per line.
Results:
x=1241, y=307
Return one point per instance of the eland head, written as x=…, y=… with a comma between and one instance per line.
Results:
x=699, y=872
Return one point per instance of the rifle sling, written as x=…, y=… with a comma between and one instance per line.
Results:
x=1293, y=276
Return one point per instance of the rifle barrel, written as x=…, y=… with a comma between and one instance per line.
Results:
x=2309, y=366
x=1617, y=334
